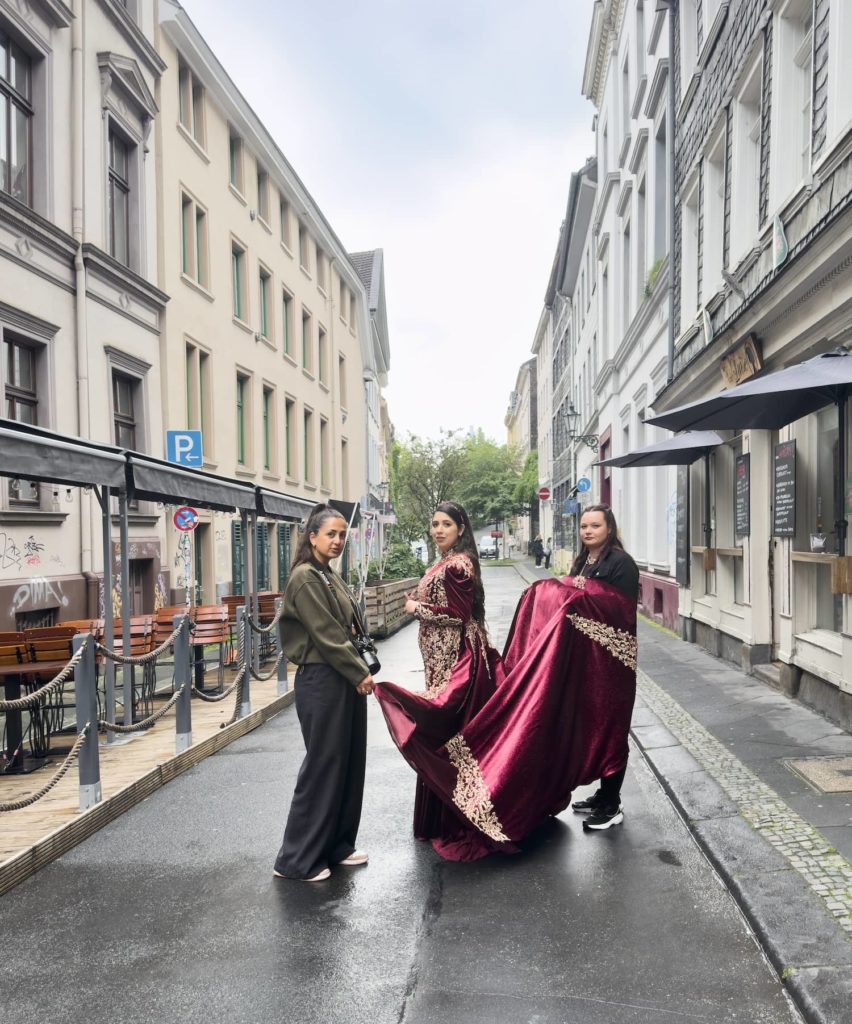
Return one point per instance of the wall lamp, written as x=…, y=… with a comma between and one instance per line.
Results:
x=572, y=417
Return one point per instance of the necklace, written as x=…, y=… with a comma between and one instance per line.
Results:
x=581, y=577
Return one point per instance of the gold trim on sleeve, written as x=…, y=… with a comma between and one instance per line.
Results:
x=620, y=644
x=471, y=794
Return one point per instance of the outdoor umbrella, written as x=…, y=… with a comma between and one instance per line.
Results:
x=681, y=450
x=774, y=400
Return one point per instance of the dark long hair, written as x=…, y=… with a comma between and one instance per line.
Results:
x=318, y=515
x=611, y=541
x=465, y=545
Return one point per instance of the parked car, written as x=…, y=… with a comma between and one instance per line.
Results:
x=488, y=547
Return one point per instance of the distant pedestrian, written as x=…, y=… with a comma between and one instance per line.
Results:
x=548, y=553
x=331, y=683
x=538, y=549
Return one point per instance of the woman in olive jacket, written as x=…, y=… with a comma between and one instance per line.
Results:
x=331, y=685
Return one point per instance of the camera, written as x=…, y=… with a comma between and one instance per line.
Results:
x=365, y=647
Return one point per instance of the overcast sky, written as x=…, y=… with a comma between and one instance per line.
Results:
x=444, y=133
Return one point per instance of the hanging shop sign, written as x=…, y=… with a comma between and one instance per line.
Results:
x=742, y=362
x=784, y=490
x=780, y=248
x=742, y=495
x=682, y=552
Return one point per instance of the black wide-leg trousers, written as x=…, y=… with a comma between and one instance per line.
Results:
x=326, y=809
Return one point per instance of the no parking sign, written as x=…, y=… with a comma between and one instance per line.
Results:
x=185, y=519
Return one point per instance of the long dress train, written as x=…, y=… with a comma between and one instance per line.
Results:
x=558, y=719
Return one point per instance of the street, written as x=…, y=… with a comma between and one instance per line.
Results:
x=172, y=913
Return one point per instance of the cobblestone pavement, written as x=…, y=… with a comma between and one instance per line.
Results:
x=826, y=871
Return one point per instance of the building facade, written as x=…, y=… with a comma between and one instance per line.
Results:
x=521, y=423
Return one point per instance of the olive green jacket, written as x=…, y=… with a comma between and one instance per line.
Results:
x=316, y=622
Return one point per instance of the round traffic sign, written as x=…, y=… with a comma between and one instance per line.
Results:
x=584, y=484
x=185, y=519
x=543, y=493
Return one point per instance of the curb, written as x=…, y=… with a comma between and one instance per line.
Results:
x=811, y=956
x=71, y=834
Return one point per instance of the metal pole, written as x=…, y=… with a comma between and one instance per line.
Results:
x=708, y=530
x=282, y=665
x=243, y=661
x=183, y=678
x=670, y=160
x=127, y=675
x=104, y=498
x=85, y=688
x=840, y=494
x=254, y=641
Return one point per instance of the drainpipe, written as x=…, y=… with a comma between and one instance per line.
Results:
x=670, y=6
x=77, y=229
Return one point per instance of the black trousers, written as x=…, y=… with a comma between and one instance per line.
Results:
x=611, y=786
x=326, y=807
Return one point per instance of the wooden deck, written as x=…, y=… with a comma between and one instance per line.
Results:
x=130, y=771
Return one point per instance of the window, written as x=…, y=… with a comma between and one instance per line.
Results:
x=198, y=393
x=238, y=280
x=792, y=42
x=268, y=428
x=308, y=439
x=287, y=318
x=341, y=370
x=690, y=26
x=124, y=410
x=322, y=269
x=16, y=119
x=714, y=215
x=118, y=197
x=605, y=309
x=243, y=412
x=745, y=178
x=289, y=436
x=235, y=161
x=344, y=468
x=352, y=311
x=835, y=39
x=21, y=405
x=193, y=226
x=262, y=194
x=661, y=197
x=640, y=38
x=265, y=286
x=625, y=98
x=307, y=359
x=344, y=301
x=626, y=274
x=284, y=213
x=323, y=452
x=689, y=268
x=191, y=103
x=304, y=254
x=322, y=355
x=641, y=227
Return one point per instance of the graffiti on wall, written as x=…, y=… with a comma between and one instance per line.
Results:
x=36, y=593
x=19, y=555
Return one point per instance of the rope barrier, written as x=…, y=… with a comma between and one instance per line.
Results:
x=146, y=723
x=33, y=698
x=276, y=618
x=142, y=659
x=270, y=674
x=17, y=805
x=215, y=698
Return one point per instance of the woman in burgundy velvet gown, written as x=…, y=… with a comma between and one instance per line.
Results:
x=557, y=719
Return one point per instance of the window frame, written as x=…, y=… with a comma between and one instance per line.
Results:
x=13, y=99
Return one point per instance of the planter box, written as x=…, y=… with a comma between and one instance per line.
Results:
x=386, y=605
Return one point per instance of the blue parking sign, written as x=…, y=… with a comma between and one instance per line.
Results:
x=183, y=447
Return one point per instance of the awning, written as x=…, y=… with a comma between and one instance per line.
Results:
x=30, y=453
x=276, y=505
x=350, y=510
x=156, y=480
x=681, y=450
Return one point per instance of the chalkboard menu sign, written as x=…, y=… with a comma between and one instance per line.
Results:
x=784, y=490
x=682, y=527
x=742, y=504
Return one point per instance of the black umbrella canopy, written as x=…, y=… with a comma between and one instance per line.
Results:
x=769, y=402
x=681, y=450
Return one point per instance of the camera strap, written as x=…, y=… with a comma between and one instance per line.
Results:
x=356, y=611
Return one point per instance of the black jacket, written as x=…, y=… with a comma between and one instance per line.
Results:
x=618, y=570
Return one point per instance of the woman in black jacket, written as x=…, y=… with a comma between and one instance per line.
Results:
x=331, y=684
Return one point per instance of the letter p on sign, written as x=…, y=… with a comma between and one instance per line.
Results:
x=183, y=447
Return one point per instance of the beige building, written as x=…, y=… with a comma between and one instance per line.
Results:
x=80, y=310
x=521, y=422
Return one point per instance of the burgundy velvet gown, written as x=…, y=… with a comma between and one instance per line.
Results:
x=558, y=718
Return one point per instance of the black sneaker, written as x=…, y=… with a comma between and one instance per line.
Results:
x=604, y=816
x=591, y=803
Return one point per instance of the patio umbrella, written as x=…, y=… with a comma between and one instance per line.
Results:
x=774, y=400
x=681, y=450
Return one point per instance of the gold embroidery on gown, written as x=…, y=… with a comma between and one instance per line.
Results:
x=620, y=644
x=471, y=794
x=440, y=635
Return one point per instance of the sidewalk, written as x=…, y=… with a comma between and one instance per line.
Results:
x=765, y=785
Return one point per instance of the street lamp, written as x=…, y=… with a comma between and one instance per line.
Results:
x=572, y=417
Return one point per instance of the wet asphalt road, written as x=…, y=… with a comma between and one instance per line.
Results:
x=172, y=914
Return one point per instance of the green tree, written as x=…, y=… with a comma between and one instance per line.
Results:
x=526, y=489
x=491, y=475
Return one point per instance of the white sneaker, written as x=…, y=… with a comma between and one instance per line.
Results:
x=320, y=876
x=355, y=858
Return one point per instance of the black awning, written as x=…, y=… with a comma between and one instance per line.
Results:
x=681, y=450
x=30, y=453
x=350, y=510
x=156, y=480
x=276, y=505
